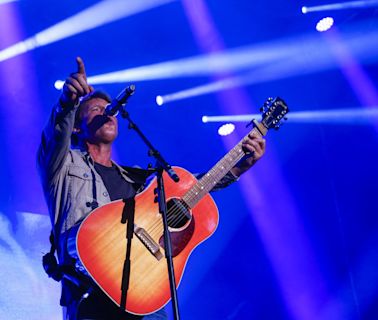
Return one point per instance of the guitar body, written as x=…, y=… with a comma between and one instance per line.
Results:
x=101, y=244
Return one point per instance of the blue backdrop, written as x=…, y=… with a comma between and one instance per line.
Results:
x=298, y=234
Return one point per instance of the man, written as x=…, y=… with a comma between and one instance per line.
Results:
x=78, y=179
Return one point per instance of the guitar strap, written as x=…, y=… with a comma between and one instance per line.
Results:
x=50, y=263
x=94, y=203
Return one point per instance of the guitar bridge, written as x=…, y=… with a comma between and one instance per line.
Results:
x=148, y=242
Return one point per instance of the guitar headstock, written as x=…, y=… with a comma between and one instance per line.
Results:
x=273, y=111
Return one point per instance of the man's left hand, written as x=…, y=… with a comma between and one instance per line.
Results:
x=254, y=148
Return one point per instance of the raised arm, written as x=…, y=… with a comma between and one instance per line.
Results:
x=56, y=137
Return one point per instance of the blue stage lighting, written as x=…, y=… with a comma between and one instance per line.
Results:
x=159, y=100
x=356, y=116
x=238, y=59
x=58, y=84
x=300, y=55
x=341, y=6
x=324, y=24
x=226, y=129
x=6, y=1
x=97, y=15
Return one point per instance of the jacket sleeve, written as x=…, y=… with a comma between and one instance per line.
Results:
x=55, y=141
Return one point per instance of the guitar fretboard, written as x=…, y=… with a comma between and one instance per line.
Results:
x=216, y=173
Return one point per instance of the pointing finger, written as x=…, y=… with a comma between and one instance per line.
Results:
x=82, y=81
x=80, y=67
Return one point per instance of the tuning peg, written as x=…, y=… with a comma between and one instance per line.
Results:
x=268, y=101
x=278, y=125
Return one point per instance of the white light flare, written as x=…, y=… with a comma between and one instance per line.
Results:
x=354, y=116
x=159, y=100
x=104, y=12
x=324, y=24
x=238, y=59
x=226, y=129
x=341, y=6
x=6, y=1
x=309, y=54
x=286, y=58
x=58, y=84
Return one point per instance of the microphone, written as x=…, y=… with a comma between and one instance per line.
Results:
x=113, y=107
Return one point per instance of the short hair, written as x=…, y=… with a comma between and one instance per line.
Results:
x=92, y=95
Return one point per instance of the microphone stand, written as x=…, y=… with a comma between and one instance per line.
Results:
x=161, y=166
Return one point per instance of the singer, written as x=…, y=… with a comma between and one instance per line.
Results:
x=78, y=175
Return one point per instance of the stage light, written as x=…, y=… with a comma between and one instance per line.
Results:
x=355, y=116
x=226, y=129
x=101, y=13
x=308, y=54
x=159, y=100
x=263, y=62
x=238, y=59
x=304, y=10
x=341, y=6
x=6, y=1
x=325, y=24
x=233, y=118
x=58, y=84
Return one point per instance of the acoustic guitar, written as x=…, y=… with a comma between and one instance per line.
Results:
x=192, y=218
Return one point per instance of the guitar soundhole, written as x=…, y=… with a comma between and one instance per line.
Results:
x=178, y=213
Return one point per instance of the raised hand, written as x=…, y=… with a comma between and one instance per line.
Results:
x=75, y=85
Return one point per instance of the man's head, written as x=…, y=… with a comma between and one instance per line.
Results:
x=91, y=125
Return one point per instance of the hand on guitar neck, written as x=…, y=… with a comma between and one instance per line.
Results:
x=254, y=146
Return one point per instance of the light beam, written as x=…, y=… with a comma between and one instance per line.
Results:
x=269, y=61
x=341, y=6
x=353, y=116
x=308, y=55
x=95, y=16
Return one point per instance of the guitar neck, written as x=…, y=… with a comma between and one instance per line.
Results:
x=216, y=173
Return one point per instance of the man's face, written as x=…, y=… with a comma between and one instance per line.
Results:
x=94, y=126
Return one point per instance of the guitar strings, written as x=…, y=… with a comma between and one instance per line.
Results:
x=175, y=210
x=174, y=213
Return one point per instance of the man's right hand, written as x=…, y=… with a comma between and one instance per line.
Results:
x=75, y=86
